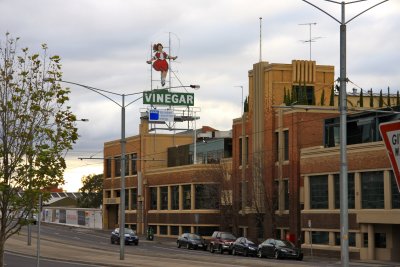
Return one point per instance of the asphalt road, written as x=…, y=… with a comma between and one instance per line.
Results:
x=161, y=252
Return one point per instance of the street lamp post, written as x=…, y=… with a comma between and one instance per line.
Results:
x=344, y=216
x=123, y=156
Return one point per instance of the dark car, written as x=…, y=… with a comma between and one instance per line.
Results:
x=279, y=249
x=221, y=241
x=191, y=241
x=130, y=237
x=243, y=246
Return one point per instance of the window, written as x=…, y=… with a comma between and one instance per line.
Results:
x=206, y=196
x=174, y=230
x=286, y=188
x=163, y=230
x=186, y=229
x=107, y=193
x=175, y=197
x=352, y=239
x=372, y=192
x=241, y=149
x=319, y=237
x=133, y=198
x=126, y=165
x=108, y=168
x=303, y=95
x=319, y=192
x=350, y=186
x=365, y=240
x=187, y=193
x=117, y=166
x=286, y=145
x=133, y=170
x=153, y=198
x=380, y=240
x=164, y=197
x=395, y=192
x=126, y=199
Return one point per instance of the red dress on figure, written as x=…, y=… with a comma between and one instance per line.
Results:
x=160, y=63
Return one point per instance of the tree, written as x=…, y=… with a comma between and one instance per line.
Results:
x=397, y=99
x=322, y=98
x=371, y=98
x=36, y=129
x=92, y=191
x=361, y=98
x=332, y=97
x=380, y=99
x=388, y=98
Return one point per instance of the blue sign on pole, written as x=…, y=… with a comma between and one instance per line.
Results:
x=154, y=115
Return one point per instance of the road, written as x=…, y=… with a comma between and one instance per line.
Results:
x=78, y=246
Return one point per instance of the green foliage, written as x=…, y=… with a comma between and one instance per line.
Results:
x=388, y=98
x=361, y=98
x=246, y=104
x=380, y=99
x=371, y=99
x=36, y=129
x=322, y=98
x=332, y=97
x=397, y=99
x=92, y=191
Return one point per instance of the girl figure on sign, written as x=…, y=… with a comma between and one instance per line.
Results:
x=160, y=61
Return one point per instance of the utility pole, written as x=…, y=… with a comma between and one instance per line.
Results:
x=344, y=214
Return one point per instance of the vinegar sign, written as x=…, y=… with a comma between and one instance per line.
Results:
x=390, y=132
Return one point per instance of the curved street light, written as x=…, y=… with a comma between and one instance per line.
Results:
x=122, y=105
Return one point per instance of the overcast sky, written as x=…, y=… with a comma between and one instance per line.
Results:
x=105, y=44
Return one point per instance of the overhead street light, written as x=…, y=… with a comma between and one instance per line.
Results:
x=122, y=105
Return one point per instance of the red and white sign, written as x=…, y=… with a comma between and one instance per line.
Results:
x=390, y=132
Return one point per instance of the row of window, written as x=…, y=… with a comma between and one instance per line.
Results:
x=322, y=238
x=176, y=230
x=372, y=191
x=205, y=196
x=130, y=166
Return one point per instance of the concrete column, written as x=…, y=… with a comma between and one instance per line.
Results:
x=158, y=198
x=169, y=198
x=180, y=197
x=371, y=242
x=357, y=190
x=331, y=192
x=387, y=190
x=307, y=203
x=192, y=197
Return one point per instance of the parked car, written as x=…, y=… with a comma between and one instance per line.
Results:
x=221, y=242
x=243, y=246
x=34, y=218
x=130, y=237
x=189, y=241
x=278, y=249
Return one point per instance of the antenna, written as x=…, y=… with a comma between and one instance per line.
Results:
x=260, y=39
x=311, y=39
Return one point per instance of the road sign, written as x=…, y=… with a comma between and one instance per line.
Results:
x=390, y=132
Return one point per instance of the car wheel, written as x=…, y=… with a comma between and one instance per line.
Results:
x=221, y=250
x=300, y=258
x=246, y=253
x=259, y=253
x=187, y=245
x=276, y=255
x=178, y=244
x=211, y=248
x=112, y=241
x=233, y=252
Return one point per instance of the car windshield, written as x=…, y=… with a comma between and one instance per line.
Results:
x=193, y=236
x=227, y=236
x=284, y=243
x=128, y=231
x=250, y=242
